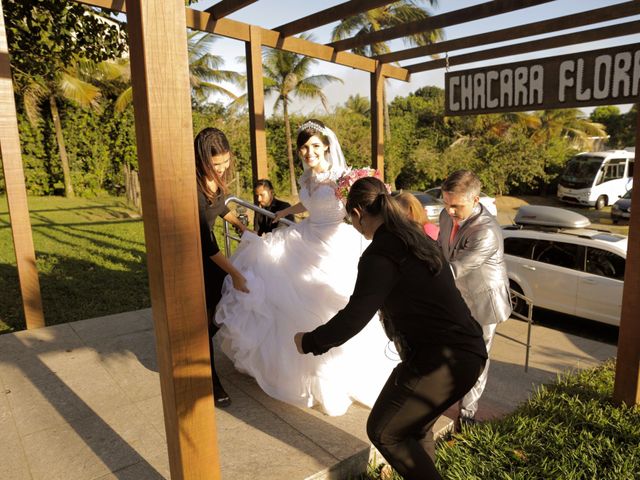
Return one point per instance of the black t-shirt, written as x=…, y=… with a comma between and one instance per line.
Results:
x=425, y=309
x=213, y=275
x=263, y=224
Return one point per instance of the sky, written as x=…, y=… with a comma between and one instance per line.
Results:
x=272, y=13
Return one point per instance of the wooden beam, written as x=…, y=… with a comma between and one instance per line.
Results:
x=162, y=107
x=627, y=383
x=331, y=14
x=448, y=19
x=377, y=120
x=566, y=22
x=227, y=7
x=272, y=39
x=17, y=192
x=225, y=27
x=255, y=94
x=628, y=28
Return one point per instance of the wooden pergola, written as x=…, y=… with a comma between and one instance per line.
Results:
x=158, y=49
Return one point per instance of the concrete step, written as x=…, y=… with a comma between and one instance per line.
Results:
x=358, y=463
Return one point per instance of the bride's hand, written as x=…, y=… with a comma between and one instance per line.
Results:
x=297, y=338
x=239, y=283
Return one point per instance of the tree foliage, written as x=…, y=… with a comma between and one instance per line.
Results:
x=48, y=34
x=387, y=16
x=512, y=153
x=621, y=127
x=56, y=46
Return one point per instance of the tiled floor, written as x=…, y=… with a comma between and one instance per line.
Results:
x=82, y=401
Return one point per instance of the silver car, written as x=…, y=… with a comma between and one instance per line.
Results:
x=558, y=262
x=432, y=206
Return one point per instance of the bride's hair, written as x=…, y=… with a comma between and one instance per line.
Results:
x=208, y=143
x=369, y=194
x=310, y=128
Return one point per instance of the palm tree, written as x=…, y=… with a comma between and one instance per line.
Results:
x=358, y=104
x=205, y=74
x=74, y=84
x=391, y=15
x=287, y=75
x=569, y=123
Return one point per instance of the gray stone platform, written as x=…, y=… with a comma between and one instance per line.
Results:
x=81, y=401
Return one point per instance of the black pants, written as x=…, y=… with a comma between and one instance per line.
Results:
x=415, y=395
x=218, y=389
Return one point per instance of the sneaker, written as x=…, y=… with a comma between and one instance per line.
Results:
x=220, y=397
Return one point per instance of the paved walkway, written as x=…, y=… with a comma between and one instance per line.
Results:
x=81, y=401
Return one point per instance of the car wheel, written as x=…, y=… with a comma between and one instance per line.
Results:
x=518, y=304
x=601, y=202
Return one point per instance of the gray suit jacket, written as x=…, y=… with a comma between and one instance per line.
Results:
x=477, y=261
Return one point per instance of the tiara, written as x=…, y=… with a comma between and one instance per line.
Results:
x=311, y=125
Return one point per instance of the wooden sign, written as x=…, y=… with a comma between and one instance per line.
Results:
x=600, y=77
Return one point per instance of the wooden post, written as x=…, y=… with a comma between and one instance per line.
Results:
x=627, y=383
x=377, y=120
x=255, y=91
x=161, y=99
x=17, y=192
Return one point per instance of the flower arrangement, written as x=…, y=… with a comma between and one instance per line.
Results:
x=344, y=183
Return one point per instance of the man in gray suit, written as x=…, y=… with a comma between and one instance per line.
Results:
x=471, y=241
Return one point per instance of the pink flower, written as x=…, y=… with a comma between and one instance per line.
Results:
x=346, y=181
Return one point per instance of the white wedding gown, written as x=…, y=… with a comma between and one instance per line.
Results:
x=299, y=277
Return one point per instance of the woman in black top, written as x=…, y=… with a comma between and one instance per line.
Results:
x=403, y=274
x=213, y=158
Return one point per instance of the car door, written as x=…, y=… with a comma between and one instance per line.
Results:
x=600, y=286
x=553, y=275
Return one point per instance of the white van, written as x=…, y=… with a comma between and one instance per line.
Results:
x=597, y=179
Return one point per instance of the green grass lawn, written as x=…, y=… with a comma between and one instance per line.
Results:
x=91, y=260
x=90, y=256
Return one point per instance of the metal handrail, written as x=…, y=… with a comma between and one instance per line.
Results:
x=228, y=236
x=529, y=319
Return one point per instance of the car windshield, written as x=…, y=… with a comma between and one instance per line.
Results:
x=426, y=199
x=582, y=168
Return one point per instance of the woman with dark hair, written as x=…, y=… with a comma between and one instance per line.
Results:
x=403, y=274
x=299, y=276
x=213, y=161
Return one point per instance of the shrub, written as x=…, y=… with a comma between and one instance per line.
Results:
x=568, y=430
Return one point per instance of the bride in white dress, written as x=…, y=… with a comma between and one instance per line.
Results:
x=298, y=278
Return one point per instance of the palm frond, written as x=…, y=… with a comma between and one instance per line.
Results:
x=33, y=94
x=78, y=91
x=206, y=89
x=321, y=80
x=114, y=70
x=346, y=27
x=124, y=100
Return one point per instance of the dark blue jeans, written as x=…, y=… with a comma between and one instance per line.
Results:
x=416, y=394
